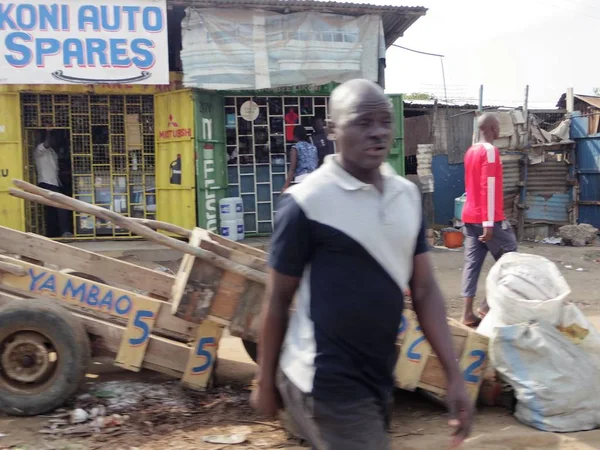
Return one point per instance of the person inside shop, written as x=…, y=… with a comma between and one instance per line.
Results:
x=321, y=140
x=48, y=177
x=304, y=158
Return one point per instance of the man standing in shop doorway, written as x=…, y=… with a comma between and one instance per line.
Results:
x=483, y=214
x=348, y=242
x=46, y=164
x=321, y=140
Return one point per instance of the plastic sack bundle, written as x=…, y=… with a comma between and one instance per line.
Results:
x=556, y=383
x=522, y=287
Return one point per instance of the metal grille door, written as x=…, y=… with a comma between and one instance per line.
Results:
x=258, y=151
x=106, y=154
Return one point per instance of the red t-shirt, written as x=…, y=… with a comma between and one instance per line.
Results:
x=483, y=182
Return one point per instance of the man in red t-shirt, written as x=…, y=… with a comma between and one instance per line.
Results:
x=483, y=214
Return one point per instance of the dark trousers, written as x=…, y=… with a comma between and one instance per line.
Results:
x=347, y=425
x=57, y=219
x=503, y=241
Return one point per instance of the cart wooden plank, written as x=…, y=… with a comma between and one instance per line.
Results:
x=96, y=297
x=65, y=256
x=200, y=365
x=136, y=337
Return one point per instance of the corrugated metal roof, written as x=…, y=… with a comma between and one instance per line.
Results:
x=396, y=19
x=590, y=100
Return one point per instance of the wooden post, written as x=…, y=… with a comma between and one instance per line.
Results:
x=201, y=362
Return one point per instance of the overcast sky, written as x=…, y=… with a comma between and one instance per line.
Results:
x=548, y=44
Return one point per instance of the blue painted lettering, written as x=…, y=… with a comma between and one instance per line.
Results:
x=88, y=15
x=107, y=302
x=92, y=297
x=26, y=17
x=45, y=47
x=49, y=285
x=131, y=12
x=64, y=15
x=35, y=279
x=116, y=18
x=6, y=21
x=123, y=305
x=73, y=49
x=144, y=58
x=21, y=54
x=49, y=17
x=71, y=292
x=96, y=47
x=118, y=54
x=152, y=19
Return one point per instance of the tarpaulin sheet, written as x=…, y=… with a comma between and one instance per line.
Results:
x=226, y=49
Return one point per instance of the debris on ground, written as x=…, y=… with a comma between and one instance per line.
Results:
x=578, y=235
x=238, y=437
x=555, y=240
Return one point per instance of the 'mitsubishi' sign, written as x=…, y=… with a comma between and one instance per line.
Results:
x=77, y=41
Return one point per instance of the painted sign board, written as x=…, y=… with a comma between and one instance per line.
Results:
x=83, y=42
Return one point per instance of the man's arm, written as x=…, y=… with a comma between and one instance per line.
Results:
x=290, y=251
x=488, y=185
x=280, y=293
x=428, y=304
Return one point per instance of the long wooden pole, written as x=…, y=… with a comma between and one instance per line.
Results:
x=134, y=227
x=153, y=224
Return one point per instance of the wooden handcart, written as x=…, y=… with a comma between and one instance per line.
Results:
x=56, y=298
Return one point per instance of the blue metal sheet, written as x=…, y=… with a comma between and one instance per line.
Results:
x=547, y=208
x=579, y=126
x=449, y=184
x=588, y=167
x=589, y=187
x=588, y=155
x=590, y=214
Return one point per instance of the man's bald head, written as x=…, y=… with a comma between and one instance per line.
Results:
x=489, y=125
x=362, y=123
x=347, y=97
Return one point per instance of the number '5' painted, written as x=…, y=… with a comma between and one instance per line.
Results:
x=139, y=323
x=202, y=351
x=468, y=375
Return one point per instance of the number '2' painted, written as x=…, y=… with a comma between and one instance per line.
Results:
x=469, y=375
x=411, y=353
x=203, y=352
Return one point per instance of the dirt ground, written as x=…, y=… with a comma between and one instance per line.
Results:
x=164, y=416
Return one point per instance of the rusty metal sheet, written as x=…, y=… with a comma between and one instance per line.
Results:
x=548, y=198
x=417, y=130
x=511, y=173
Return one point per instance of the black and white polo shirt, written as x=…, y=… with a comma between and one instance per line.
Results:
x=353, y=248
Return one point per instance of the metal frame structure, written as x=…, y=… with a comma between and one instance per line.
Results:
x=112, y=155
x=258, y=152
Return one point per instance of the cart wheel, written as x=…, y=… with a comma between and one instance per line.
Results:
x=44, y=356
x=251, y=349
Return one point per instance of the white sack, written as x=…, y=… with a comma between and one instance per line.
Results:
x=522, y=287
x=556, y=384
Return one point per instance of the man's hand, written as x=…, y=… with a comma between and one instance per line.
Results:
x=488, y=234
x=266, y=400
x=460, y=408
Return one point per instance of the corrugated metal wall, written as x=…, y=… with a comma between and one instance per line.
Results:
x=588, y=171
x=548, y=197
x=511, y=172
x=417, y=130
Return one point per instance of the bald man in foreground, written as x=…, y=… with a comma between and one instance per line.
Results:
x=347, y=243
x=486, y=228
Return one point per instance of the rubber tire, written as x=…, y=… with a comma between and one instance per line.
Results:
x=251, y=349
x=72, y=345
